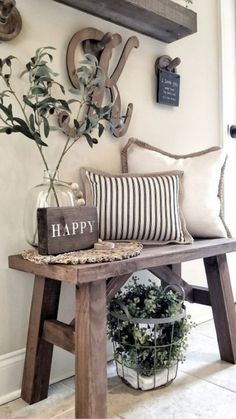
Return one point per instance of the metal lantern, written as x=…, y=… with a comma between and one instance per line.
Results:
x=131, y=358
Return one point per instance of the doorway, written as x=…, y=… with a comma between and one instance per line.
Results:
x=227, y=100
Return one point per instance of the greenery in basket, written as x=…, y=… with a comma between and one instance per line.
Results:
x=32, y=113
x=140, y=346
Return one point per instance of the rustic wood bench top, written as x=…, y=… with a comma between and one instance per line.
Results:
x=95, y=284
x=150, y=256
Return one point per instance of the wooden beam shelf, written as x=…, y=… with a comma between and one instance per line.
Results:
x=164, y=20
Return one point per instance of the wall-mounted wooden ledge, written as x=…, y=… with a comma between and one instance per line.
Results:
x=164, y=20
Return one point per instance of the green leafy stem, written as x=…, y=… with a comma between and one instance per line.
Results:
x=30, y=113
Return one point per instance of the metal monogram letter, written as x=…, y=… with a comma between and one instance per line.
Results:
x=101, y=45
x=10, y=20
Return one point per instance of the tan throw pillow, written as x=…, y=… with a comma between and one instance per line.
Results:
x=202, y=182
x=143, y=207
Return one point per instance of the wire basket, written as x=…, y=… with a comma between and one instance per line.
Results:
x=152, y=364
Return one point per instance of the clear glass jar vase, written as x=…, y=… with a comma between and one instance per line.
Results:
x=51, y=193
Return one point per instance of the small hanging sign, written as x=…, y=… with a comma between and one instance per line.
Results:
x=168, y=81
x=168, y=88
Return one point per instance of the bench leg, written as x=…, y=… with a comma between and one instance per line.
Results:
x=222, y=305
x=176, y=268
x=45, y=301
x=90, y=351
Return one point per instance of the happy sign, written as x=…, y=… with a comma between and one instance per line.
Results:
x=66, y=229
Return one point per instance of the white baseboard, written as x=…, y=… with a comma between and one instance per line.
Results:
x=11, y=371
x=12, y=364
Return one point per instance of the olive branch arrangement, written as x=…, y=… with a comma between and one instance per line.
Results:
x=30, y=113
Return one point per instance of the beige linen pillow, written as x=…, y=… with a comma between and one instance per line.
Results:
x=143, y=207
x=202, y=182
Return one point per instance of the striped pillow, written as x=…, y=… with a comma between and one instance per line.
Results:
x=137, y=207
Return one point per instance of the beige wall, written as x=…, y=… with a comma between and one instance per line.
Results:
x=192, y=126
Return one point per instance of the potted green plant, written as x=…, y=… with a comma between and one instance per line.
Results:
x=148, y=327
x=41, y=109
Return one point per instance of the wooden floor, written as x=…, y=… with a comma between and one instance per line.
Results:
x=205, y=388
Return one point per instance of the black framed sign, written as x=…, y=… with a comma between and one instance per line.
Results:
x=168, y=84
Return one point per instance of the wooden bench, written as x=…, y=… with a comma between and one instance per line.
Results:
x=94, y=285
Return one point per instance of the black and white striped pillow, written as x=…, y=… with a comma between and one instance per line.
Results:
x=137, y=207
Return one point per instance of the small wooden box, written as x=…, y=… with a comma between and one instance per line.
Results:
x=66, y=229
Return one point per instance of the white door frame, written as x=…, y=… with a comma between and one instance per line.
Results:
x=227, y=112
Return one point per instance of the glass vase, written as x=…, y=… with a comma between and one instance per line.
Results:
x=51, y=193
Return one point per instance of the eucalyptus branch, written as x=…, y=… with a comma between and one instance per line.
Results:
x=57, y=167
x=64, y=151
x=43, y=157
x=39, y=101
x=17, y=99
x=36, y=115
x=71, y=145
x=5, y=122
x=37, y=112
x=81, y=103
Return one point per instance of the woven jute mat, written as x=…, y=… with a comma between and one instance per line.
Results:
x=121, y=251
